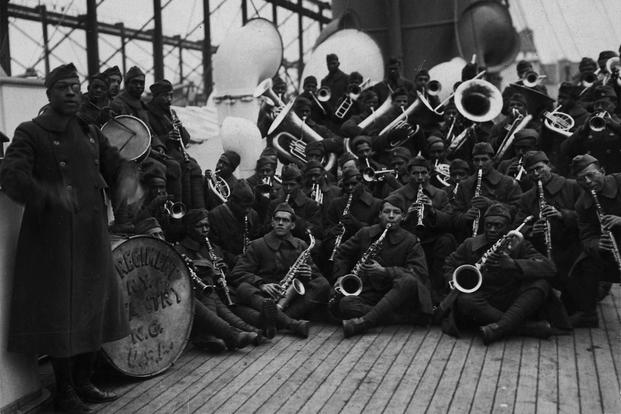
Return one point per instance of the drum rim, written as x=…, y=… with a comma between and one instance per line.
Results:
x=147, y=150
x=187, y=334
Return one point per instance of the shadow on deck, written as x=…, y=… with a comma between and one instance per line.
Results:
x=393, y=369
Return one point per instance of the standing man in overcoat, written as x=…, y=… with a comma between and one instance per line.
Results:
x=66, y=301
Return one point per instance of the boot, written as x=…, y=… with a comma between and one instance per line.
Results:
x=67, y=401
x=84, y=366
x=300, y=328
x=269, y=316
x=536, y=329
x=240, y=340
x=354, y=326
x=491, y=333
x=209, y=343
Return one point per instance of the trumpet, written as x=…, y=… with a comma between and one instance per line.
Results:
x=318, y=103
x=520, y=121
x=468, y=278
x=370, y=175
x=433, y=88
x=265, y=188
x=588, y=80
x=532, y=79
x=217, y=185
x=559, y=122
x=317, y=194
x=324, y=94
x=597, y=123
x=612, y=70
x=175, y=210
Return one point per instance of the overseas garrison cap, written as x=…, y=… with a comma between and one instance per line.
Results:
x=114, y=70
x=459, y=165
x=518, y=97
x=396, y=200
x=604, y=55
x=286, y=208
x=61, y=72
x=418, y=162
x=161, y=87
x=523, y=66
x=359, y=140
x=568, y=88
x=355, y=76
x=194, y=216
x=291, y=172
x=580, y=162
x=152, y=170
x=302, y=102
x=265, y=160
x=133, y=72
x=242, y=193
x=331, y=57
x=350, y=172
x=422, y=72
x=481, y=148
x=400, y=152
x=393, y=61
x=232, y=157
x=526, y=134
x=499, y=210
x=433, y=139
x=99, y=76
x=310, y=80
x=533, y=157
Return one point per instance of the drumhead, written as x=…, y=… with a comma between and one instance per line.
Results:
x=159, y=304
x=129, y=135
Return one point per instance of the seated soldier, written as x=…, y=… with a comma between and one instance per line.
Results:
x=515, y=282
x=555, y=214
x=379, y=186
x=315, y=151
x=235, y=223
x=307, y=211
x=264, y=185
x=309, y=91
x=458, y=170
x=226, y=165
x=433, y=227
x=399, y=158
x=259, y=275
x=316, y=187
x=604, y=142
x=215, y=325
x=390, y=264
x=437, y=157
x=599, y=226
x=524, y=141
x=95, y=103
x=347, y=214
x=169, y=130
x=493, y=187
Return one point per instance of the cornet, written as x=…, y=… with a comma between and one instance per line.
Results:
x=532, y=79
x=434, y=88
x=317, y=194
x=597, y=123
x=559, y=122
x=174, y=210
x=370, y=175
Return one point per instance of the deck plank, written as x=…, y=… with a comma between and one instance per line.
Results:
x=383, y=394
x=469, y=377
x=410, y=381
x=445, y=390
x=603, y=355
x=587, y=376
x=526, y=398
x=504, y=399
x=547, y=386
x=486, y=387
x=254, y=391
x=568, y=390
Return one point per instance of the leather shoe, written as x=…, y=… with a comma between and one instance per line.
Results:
x=269, y=313
x=300, y=328
x=90, y=393
x=67, y=401
x=242, y=340
x=354, y=326
x=536, y=329
x=259, y=340
x=210, y=344
x=490, y=333
x=584, y=320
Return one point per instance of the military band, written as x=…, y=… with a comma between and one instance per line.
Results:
x=392, y=208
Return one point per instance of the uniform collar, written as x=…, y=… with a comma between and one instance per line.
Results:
x=609, y=189
x=493, y=176
x=52, y=121
x=479, y=242
x=555, y=184
x=365, y=197
x=394, y=237
x=190, y=244
x=274, y=242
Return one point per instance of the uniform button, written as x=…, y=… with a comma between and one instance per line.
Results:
x=69, y=188
x=96, y=162
x=62, y=164
x=56, y=142
x=91, y=140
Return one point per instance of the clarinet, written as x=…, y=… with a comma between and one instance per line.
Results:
x=222, y=278
x=477, y=192
x=548, y=232
x=339, y=237
x=245, y=235
x=176, y=123
x=197, y=282
x=600, y=213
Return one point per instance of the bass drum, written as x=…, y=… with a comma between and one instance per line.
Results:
x=159, y=304
x=129, y=135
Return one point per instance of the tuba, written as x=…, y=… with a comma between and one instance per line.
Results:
x=290, y=286
x=286, y=142
x=351, y=284
x=217, y=185
x=369, y=120
x=468, y=278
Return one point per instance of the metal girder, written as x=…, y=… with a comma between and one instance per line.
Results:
x=79, y=22
x=289, y=5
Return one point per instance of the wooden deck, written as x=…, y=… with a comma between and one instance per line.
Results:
x=393, y=369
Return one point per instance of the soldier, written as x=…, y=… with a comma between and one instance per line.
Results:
x=226, y=165
x=392, y=272
x=525, y=140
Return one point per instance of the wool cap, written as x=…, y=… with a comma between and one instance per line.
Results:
x=133, y=72
x=533, y=157
x=161, y=87
x=498, y=209
x=61, y=72
x=580, y=162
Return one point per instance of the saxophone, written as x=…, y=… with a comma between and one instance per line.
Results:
x=477, y=192
x=339, y=237
x=222, y=279
x=600, y=213
x=548, y=232
x=468, y=278
x=351, y=284
x=290, y=285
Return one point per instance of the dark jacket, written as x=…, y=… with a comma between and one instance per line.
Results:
x=604, y=145
x=227, y=231
x=66, y=298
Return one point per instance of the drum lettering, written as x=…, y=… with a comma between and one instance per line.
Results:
x=120, y=269
x=155, y=328
x=137, y=335
x=177, y=297
x=128, y=262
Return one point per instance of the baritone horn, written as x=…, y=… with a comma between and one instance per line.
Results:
x=558, y=122
x=217, y=185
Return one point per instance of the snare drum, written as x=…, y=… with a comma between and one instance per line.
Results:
x=159, y=304
x=129, y=135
